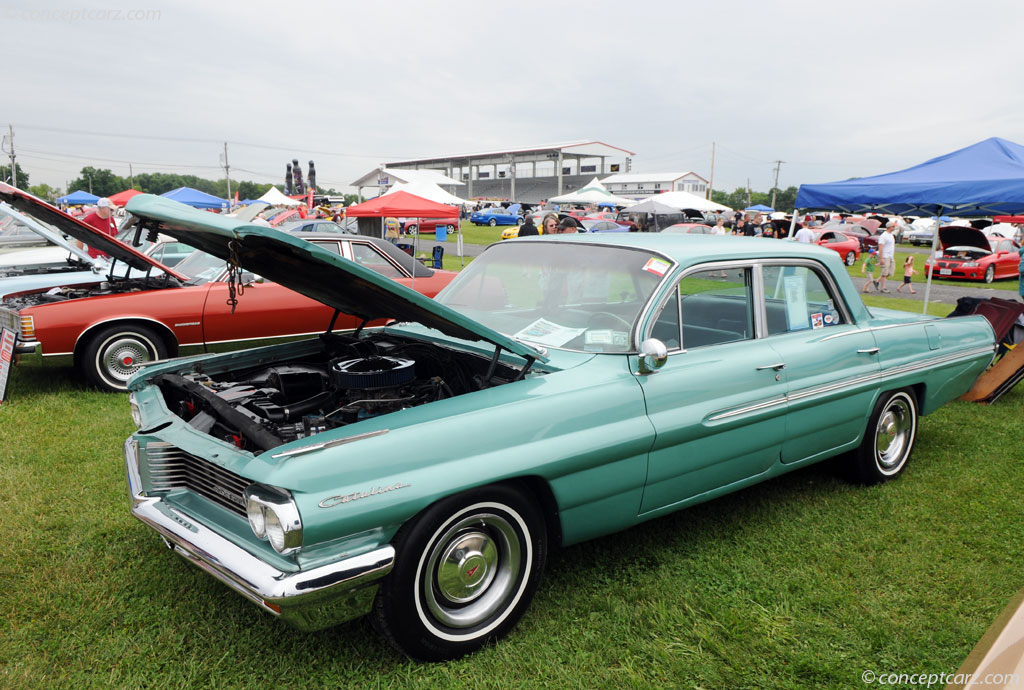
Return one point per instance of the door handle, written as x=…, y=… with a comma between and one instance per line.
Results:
x=777, y=367
x=869, y=351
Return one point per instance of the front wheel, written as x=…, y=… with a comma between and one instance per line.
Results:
x=115, y=353
x=888, y=439
x=851, y=258
x=520, y=221
x=465, y=571
x=990, y=273
x=492, y=222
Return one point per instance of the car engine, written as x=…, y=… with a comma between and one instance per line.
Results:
x=352, y=380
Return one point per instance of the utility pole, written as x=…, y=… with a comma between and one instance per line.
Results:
x=131, y=176
x=227, y=171
x=711, y=182
x=14, y=162
x=775, y=187
x=748, y=193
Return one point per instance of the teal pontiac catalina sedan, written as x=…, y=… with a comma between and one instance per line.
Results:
x=560, y=388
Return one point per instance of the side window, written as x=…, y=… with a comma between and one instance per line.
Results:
x=366, y=255
x=332, y=247
x=714, y=306
x=797, y=299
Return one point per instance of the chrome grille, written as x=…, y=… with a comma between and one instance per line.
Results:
x=172, y=468
x=10, y=320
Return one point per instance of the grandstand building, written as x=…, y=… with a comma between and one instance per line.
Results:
x=527, y=174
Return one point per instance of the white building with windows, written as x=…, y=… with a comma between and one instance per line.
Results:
x=639, y=185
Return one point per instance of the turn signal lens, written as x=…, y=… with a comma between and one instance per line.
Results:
x=28, y=328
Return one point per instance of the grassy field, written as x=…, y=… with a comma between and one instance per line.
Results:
x=805, y=581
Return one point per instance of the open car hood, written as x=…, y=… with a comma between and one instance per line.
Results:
x=48, y=234
x=311, y=270
x=37, y=208
x=961, y=236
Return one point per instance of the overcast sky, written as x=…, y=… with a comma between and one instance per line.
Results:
x=834, y=90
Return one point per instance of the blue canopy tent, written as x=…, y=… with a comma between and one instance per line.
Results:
x=984, y=179
x=761, y=208
x=195, y=198
x=78, y=198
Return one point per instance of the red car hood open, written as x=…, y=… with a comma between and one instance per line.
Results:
x=32, y=206
x=959, y=236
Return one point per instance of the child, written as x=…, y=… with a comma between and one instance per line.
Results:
x=908, y=270
x=868, y=268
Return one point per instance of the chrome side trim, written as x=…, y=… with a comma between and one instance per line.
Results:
x=879, y=328
x=854, y=381
x=330, y=444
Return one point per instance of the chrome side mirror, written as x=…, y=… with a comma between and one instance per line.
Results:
x=653, y=355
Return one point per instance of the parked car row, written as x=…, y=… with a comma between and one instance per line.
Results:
x=141, y=310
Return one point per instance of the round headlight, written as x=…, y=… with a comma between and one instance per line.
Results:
x=273, y=516
x=136, y=412
x=257, y=518
x=275, y=532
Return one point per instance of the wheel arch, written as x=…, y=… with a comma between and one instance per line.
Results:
x=161, y=329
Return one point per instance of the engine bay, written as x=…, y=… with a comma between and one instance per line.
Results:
x=106, y=287
x=350, y=380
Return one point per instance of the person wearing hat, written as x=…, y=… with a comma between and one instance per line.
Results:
x=101, y=218
x=565, y=225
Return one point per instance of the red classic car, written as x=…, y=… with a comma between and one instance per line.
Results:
x=848, y=247
x=967, y=254
x=430, y=225
x=112, y=327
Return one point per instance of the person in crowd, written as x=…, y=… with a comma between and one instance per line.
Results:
x=101, y=218
x=719, y=228
x=549, y=224
x=566, y=225
x=908, y=272
x=528, y=228
x=886, y=255
x=868, y=269
x=805, y=235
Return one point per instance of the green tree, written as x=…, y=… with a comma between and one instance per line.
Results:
x=101, y=182
x=5, y=174
x=45, y=191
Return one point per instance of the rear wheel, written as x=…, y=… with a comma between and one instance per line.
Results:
x=990, y=273
x=851, y=258
x=519, y=221
x=888, y=439
x=451, y=229
x=115, y=353
x=465, y=571
x=412, y=229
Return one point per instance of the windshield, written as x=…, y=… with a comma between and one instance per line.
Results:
x=201, y=267
x=560, y=295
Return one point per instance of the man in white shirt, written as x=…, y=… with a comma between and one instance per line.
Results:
x=886, y=254
x=805, y=235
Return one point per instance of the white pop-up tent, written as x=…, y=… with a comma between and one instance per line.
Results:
x=684, y=200
x=592, y=193
x=427, y=190
x=275, y=197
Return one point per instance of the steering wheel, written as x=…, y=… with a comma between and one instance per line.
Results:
x=609, y=316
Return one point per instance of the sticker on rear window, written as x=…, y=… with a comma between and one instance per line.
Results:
x=656, y=266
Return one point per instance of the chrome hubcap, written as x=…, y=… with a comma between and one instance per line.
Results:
x=472, y=570
x=122, y=357
x=893, y=435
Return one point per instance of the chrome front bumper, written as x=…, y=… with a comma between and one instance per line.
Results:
x=309, y=599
